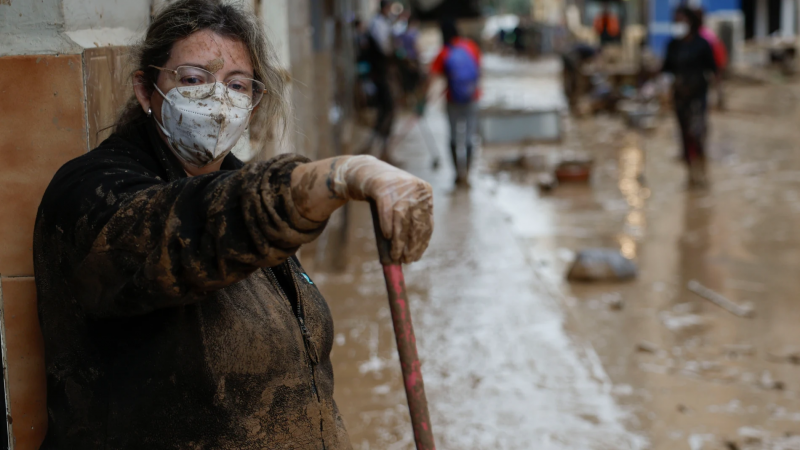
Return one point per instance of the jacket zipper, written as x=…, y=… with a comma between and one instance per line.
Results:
x=311, y=350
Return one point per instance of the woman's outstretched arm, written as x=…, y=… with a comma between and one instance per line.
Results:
x=405, y=202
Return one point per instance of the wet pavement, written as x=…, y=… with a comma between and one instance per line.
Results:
x=514, y=357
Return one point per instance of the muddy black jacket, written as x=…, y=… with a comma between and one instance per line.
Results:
x=174, y=314
x=691, y=62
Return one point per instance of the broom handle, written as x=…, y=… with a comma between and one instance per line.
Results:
x=406, y=342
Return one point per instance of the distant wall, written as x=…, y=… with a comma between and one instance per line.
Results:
x=33, y=27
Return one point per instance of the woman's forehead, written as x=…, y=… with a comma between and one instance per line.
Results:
x=211, y=51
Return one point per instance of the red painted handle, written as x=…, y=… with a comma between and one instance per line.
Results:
x=406, y=341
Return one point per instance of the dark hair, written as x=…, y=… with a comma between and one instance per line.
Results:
x=700, y=15
x=695, y=20
x=449, y=30
x=183, y=18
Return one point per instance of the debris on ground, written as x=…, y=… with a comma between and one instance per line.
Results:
x=576, y=171
x=767, y=382
x=787, y=354
x=751, y=436
x=646, y=347
x=709, y=370
x=638, y=114
x=602, y=264
x=546, y=182
x=731, y=445
x=736, y=350
x=536, y=161
x=720, y=300
x=680, y=323
x=613, y=301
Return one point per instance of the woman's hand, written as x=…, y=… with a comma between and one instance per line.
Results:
x=405, y=202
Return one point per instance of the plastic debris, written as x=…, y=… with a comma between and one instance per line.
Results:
x=602, y=264
x=720, y=300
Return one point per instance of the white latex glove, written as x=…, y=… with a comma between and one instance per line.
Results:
x=405, y=202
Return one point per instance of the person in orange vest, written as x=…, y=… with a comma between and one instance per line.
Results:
x=606, y=25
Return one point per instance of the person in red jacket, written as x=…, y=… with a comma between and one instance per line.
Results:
x=460, y=62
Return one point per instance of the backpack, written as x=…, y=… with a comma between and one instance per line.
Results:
x=462, y=74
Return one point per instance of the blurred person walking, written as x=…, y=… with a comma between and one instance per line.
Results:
x=459, y=62
x=380, y=54
x=607, y=26
x=174, y=311
x=574, y=61
x=406, y=38
x=690, y=59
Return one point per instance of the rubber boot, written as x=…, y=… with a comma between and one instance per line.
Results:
x=469, y=164
x=456, y=166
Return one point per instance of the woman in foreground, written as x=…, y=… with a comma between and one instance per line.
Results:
x=174, y=312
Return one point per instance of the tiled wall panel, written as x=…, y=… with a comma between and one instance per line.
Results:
x=25, y=357
x=42, y=127
x=108, y=88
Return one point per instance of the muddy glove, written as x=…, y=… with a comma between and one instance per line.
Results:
x=405, y=202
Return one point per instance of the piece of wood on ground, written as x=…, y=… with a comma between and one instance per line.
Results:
x=720, y=300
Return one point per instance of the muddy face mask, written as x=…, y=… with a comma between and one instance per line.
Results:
x=200, y=130
x=680, y=30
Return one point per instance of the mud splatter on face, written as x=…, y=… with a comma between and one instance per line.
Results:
x=215, y=64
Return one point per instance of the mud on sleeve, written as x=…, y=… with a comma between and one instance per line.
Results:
x=173, y=242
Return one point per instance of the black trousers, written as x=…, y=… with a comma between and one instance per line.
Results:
x=384, y=102
x=692, y=114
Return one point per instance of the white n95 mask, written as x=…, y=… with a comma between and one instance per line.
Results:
x=201, y=131
x=680, y=30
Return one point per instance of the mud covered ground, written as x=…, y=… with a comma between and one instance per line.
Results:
x=517, y=358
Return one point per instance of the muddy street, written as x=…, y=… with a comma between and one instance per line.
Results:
x=515, y=357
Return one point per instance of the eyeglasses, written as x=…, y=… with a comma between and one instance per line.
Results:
x=195, y=82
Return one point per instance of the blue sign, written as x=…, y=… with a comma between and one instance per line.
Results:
x=661, y=12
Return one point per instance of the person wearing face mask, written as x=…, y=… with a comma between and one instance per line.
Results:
x=690, y=59
x=173, y=310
